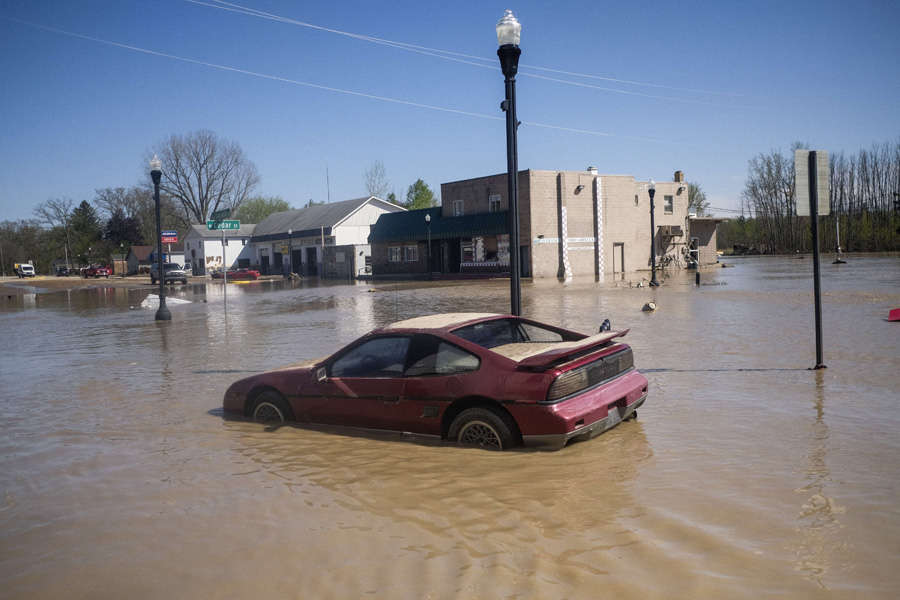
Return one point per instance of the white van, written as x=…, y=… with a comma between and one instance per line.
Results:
x=24, y=270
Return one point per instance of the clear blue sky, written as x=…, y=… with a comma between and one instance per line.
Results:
x=79, y=115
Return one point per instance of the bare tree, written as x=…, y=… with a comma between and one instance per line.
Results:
x=128, y=201
x=376, y=180
x=697, y=202
x=205, y=173
x=56, y=212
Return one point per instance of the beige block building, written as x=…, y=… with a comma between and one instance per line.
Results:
x=581, y=223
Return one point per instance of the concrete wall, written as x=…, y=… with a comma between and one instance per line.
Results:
x=705, y=231
x=341, y=262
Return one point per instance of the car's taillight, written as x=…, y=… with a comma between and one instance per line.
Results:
x=591, y=374
x=567, y=383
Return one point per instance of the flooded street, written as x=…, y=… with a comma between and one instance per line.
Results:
x=745, y=476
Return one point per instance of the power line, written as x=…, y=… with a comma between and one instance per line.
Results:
x=323, y=87
x=458, y=56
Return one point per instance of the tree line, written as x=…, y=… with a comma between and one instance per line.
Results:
x=201, y=174
x=864, y=204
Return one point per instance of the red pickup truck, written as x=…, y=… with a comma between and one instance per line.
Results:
x=95, y=271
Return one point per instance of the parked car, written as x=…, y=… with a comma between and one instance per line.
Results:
x=237, y=274
x=63, y=271
x=23, y=270
x=173, y=272
x=487, y=380
x=95, y=271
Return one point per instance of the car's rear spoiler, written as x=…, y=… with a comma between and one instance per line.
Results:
x=565, y=350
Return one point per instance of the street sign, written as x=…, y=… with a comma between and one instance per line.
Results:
x=220, y=215
x=169, y=237
x=801, y=181
x=214, y=225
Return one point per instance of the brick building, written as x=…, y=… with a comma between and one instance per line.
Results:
x=571, y=223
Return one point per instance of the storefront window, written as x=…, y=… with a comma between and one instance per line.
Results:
x=467, y=249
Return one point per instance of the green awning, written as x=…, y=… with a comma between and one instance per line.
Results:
x=411, y=226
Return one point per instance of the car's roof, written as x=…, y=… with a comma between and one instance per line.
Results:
x=441, y=320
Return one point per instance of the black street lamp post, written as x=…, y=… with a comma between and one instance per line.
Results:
x=428, y=247
x=291, y=251
x=162, y=313
x=653, y=281
x=508, y=33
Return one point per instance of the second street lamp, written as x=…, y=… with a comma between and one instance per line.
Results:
x=653, y=281
x=428, y=246
x=508, y=33
x=162, y=313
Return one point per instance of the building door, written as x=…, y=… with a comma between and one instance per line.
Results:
x=296, y=258
x=312, y=263
x=264, y=264
x=619, y=258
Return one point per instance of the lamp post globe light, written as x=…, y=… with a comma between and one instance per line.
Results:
x=428, y=244
x=653, y=281
x=162, y=313
x=508, y=33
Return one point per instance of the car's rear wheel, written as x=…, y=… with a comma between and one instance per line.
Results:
x=271, y=408
x=483, y=428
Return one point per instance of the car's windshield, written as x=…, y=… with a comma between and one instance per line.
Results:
x=171, y=266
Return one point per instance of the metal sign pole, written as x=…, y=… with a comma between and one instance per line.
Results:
x=224, y=278
x=817, y=287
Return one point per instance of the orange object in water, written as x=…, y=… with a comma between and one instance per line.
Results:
x=894, y=315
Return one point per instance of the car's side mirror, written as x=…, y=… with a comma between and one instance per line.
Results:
x=321, y=374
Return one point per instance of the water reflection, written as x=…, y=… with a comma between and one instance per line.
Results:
x=462, y=501
x=821, y=544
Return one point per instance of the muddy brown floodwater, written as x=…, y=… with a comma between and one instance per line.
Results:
x=746, y=475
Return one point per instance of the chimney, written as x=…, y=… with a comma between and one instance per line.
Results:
x=592, y=170
x=679, y=176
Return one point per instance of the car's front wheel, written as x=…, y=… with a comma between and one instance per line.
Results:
x=483, y=428
x=270, y=407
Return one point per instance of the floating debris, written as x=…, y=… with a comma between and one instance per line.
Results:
x=152, y=301
x=649, y=307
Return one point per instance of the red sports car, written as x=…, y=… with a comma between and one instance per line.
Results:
x=488, y=380
x=238, y=274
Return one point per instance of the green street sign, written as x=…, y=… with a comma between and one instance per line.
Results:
x=213, y=225
x=220, y=215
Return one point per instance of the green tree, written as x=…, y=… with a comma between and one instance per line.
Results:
x=254, y=210
x=121, y=229
x=85, y=231
x=419, y=195
x=697, y=202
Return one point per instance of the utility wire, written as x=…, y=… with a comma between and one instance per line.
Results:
x=323, y=87
x=450, y=55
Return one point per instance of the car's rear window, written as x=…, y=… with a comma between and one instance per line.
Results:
x=498, y=332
